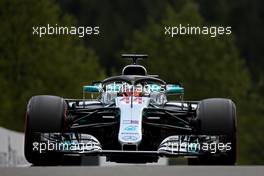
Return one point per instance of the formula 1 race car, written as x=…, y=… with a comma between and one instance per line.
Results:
x=131, y=120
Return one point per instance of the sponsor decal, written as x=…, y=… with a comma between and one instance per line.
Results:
x=129, y=134
x=130, y=122
x=129, y=138
x=131, y=128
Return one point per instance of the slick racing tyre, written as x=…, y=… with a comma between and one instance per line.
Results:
x=44, y=114
x=217, y=116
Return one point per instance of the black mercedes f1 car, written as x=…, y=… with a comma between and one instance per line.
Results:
x=134, y=118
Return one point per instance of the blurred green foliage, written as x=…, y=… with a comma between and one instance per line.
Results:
x=207, y=67
x=30, y=65
x=226, y=66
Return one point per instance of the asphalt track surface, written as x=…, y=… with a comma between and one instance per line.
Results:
x=135, y=170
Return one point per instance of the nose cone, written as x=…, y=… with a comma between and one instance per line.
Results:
x=130, y=129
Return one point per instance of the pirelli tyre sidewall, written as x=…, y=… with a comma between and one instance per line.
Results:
x=45, y=113
x=217, y=116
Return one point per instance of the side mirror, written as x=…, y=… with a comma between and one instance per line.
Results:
x=91, y=88
x=97, y=83
x=174, y=89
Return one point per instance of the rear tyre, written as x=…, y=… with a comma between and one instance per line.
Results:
x=217, y=116
x=45, y=113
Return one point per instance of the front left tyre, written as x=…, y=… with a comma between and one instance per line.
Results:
x=217, y=117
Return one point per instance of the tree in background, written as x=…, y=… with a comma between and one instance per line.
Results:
x=246, y=19
x=31, y=65
x=207, y=67
x=117, y=20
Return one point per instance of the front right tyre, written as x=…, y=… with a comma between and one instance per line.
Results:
x=45, y=114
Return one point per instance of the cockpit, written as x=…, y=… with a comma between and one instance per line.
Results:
x=134, y=82
x=154, y=90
